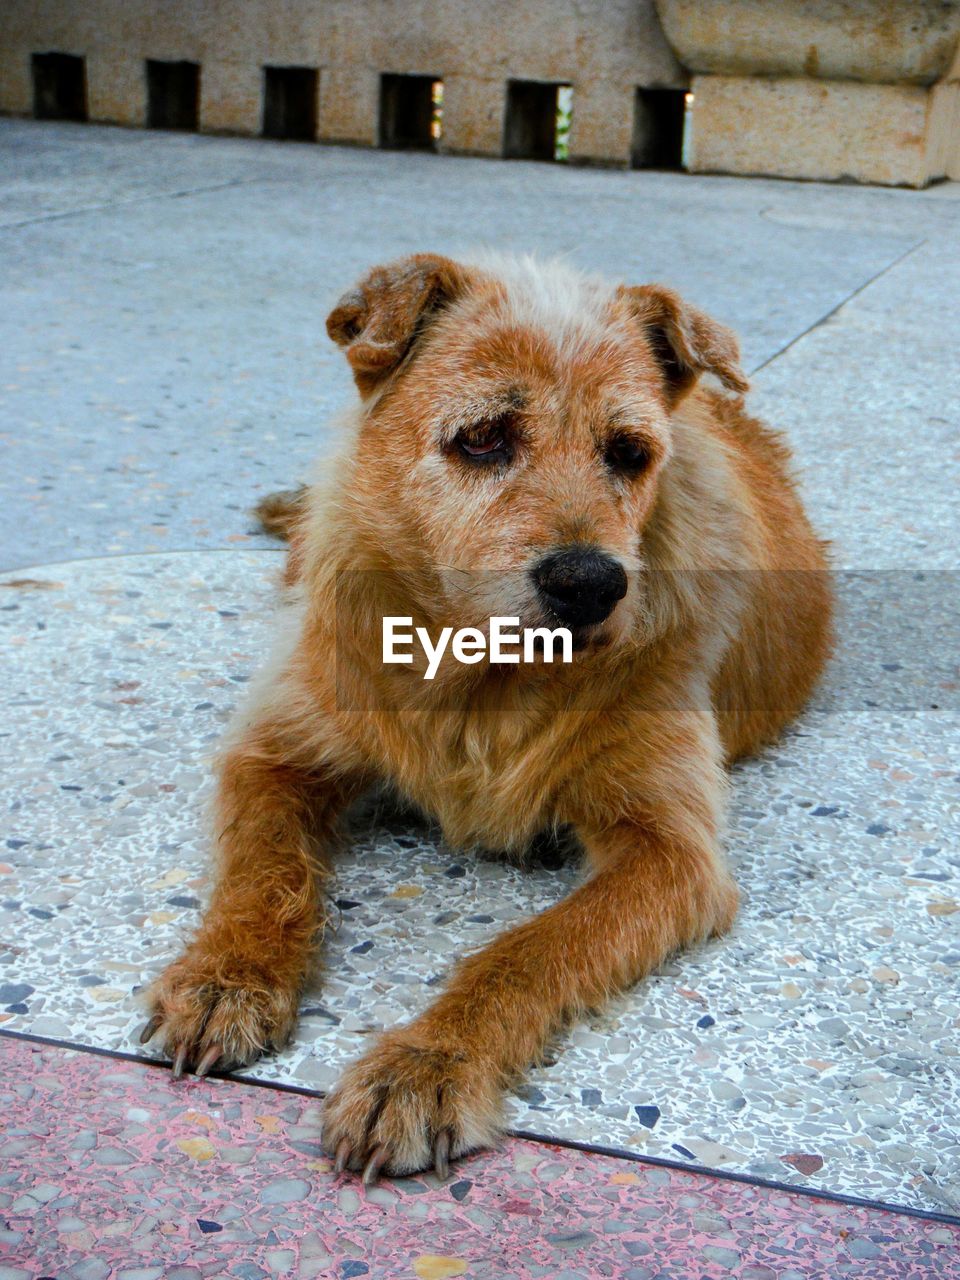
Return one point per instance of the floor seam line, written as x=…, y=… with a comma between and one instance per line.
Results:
x=828, y=315
x=24, y=570
x=124, y=204
x=522, y=1135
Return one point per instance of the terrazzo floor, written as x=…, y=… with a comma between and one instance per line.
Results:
x=113, y=1171
x=818, y=1044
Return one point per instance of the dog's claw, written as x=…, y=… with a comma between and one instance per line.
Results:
x=208, y=1059
x=150, y=1030
x=179, y=1062
x=373, y=1166
x=441, y=1153
x=342, y=1156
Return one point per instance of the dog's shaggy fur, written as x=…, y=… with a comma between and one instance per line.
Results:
x=508, y=409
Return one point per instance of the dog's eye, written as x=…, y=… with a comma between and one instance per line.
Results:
x=626, y=453
x=484, y=444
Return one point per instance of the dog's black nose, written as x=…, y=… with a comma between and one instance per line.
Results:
x=580, y=585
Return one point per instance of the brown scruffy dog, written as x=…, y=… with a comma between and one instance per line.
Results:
x=529, y=443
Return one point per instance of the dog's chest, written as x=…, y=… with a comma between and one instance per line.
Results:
x=485, y=780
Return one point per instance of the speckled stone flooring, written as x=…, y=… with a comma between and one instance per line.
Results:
x=818, y=1044
x=114, y=1172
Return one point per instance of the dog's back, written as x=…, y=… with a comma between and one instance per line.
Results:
x=785, y=637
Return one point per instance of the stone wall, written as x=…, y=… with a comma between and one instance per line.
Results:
x=862, y=90
x=605, y=49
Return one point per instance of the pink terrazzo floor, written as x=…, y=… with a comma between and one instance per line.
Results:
x=111, y=1171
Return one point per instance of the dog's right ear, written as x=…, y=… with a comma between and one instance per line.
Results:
x=684, y=341
x=379, y=321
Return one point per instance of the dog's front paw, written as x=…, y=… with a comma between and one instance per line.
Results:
x=216, y=1010
x=409, y=1105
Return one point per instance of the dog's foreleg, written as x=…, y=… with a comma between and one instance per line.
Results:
x=434, y=1089
x=234, y=991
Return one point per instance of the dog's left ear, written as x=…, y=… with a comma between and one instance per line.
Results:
x=685, y=342
x=379, y=321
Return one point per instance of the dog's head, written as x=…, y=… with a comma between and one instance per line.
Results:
x=517, y=419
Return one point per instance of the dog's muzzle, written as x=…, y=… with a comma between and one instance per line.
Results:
x=580, y=585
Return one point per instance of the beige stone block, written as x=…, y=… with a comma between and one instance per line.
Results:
x=943, y=131
x=953, y=157
x=601, y=126
x=282, y=33
x=483, y=38
x=622, y=42
x=549, y=40
x=44, y=26
x=183, y=32
x=116, y=89
x=797, y=128
x=231, y=97
x=473, y=111
x=19, y=25
x=349, y=105
x=877, y=41
x=16, y=83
